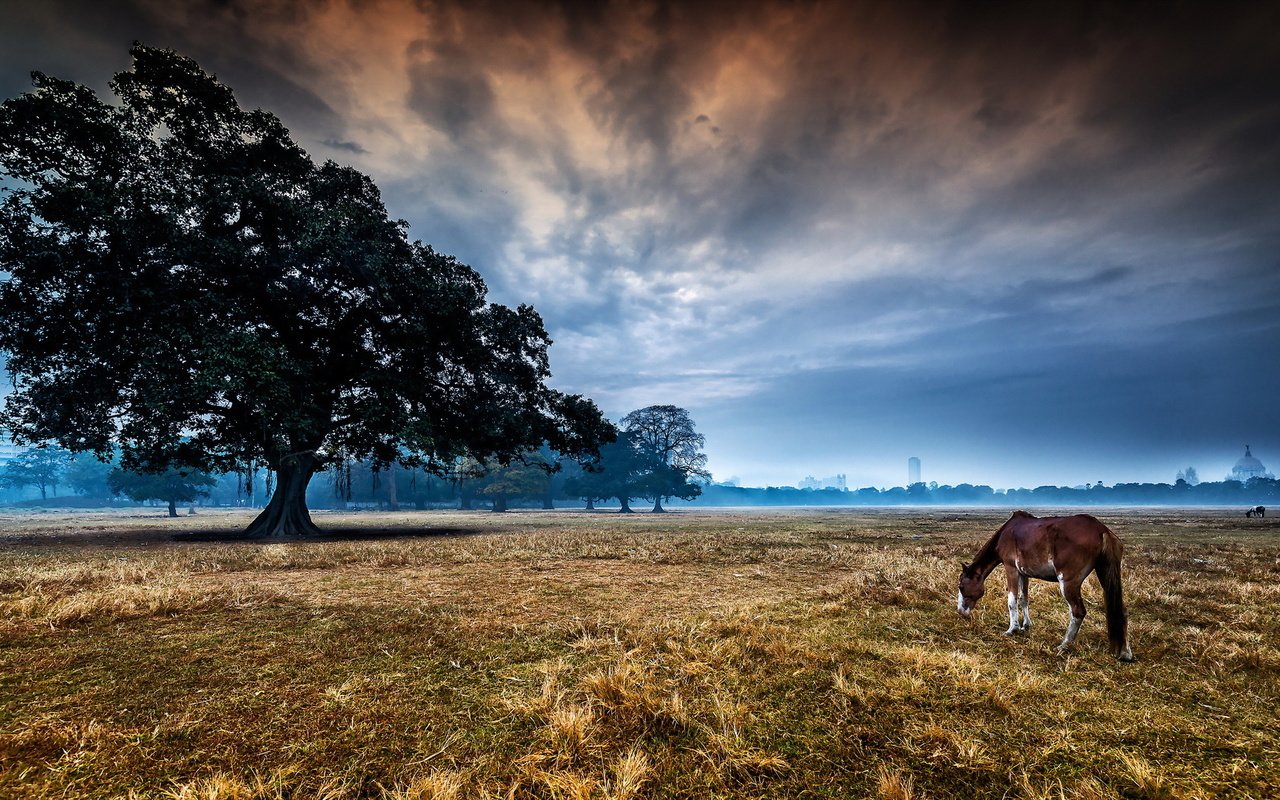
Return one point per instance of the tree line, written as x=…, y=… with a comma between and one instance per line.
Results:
x=657, y=455
x=1255, y=491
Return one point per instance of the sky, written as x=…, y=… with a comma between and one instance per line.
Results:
x=1028, y=243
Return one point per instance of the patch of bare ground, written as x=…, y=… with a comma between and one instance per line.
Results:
x=567, y=655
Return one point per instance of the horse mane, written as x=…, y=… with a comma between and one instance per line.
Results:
x=987, y=553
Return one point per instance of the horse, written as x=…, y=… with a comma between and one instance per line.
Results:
x=1256, y=511
x=1062, y=549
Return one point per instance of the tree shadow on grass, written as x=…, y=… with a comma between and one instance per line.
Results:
x=147, y=537
x=329, y=535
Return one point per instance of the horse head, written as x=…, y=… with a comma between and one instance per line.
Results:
x=972, y=587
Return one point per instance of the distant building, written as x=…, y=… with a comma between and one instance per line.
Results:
x=8, y=450
x=834, y=482
x=913, y=470
x=1189, y=475
x=1248, y=467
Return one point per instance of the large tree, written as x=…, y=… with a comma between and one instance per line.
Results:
x=188, y=285
x=666, y=435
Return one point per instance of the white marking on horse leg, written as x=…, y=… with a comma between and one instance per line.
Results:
x=1013, y=615
x=1024, y=599
x=1073, y=628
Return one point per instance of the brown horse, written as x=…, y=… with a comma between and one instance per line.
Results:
x=1062, y=549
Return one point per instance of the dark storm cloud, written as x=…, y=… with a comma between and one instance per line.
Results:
x=350, y=147
x=447, y=90
x=985, y=225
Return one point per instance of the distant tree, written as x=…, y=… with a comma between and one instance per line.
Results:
x=172, y=486
x=87, y=475
x=619, y=472
x=664, y=481
x=666, y=437
x=522, y=478
x=41, y=467
x=186, y=284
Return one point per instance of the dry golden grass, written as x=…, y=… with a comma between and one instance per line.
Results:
x=547, y=655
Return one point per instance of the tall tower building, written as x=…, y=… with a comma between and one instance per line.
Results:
x=913, y=470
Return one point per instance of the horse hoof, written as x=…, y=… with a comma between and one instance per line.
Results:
x=1061, y=650
x=1126, y=656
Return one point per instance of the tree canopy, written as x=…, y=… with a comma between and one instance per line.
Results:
x=188, y=285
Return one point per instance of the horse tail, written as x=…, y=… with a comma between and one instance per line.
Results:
x=1108, y=569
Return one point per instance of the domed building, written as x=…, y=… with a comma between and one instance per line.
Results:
x=1248, y=467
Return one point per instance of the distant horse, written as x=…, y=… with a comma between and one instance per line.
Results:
x=1062, y=549
x=1256, y=511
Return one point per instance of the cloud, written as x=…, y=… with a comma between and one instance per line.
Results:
x=714, y=204
x=350, y=147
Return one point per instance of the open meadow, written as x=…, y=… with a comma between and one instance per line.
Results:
x=707, y=654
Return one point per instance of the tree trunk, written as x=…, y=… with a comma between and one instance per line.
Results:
x=626, y=505
x=286, y=514
x=657, y=506
x=499, y=503
x=173, y=508
x=392, y=503
x=591, y=504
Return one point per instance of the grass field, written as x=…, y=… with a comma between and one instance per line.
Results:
x=728, y=654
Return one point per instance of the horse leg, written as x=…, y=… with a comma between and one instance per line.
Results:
x=1012, y=580
x=1071, y=593
x=1024, y=599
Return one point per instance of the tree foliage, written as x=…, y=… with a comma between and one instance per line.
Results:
x=188, y=285
x=173, y=485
